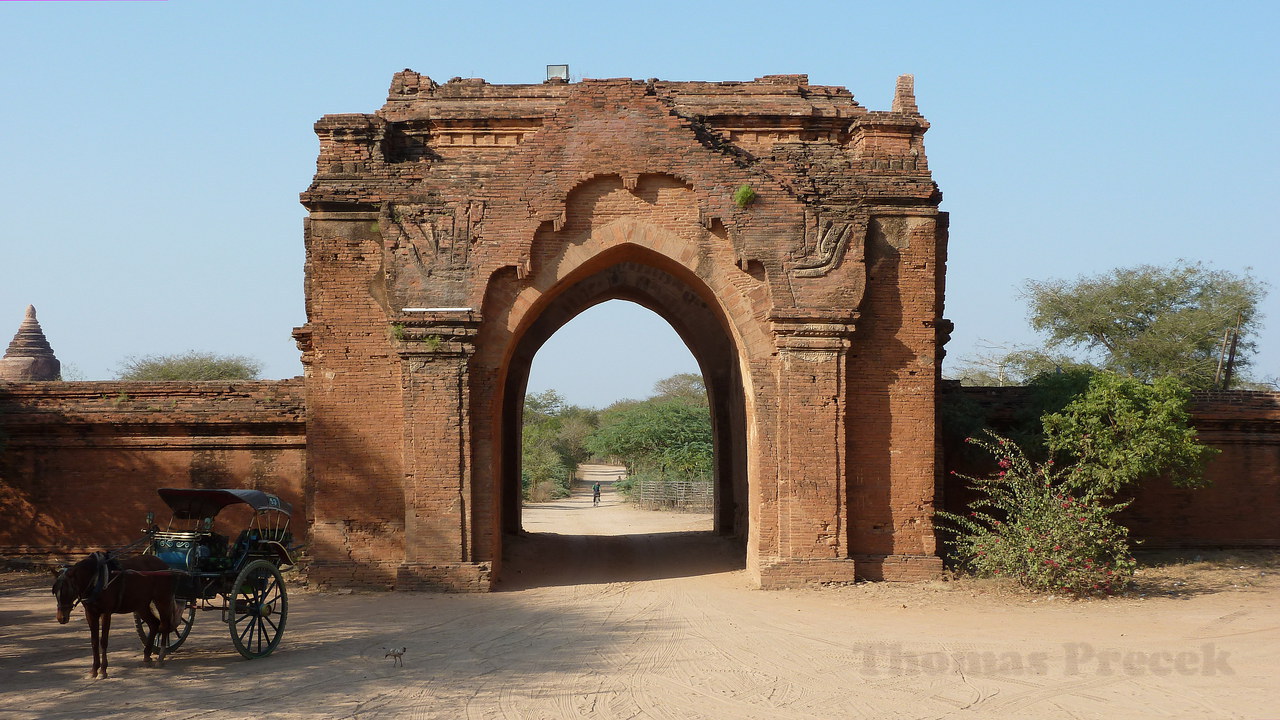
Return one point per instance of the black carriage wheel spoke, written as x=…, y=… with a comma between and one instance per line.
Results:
x=262, y=634
x=267, y=630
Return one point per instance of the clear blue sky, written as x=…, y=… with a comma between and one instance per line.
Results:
x=153, y=152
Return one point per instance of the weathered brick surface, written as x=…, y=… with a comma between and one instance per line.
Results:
x=82, y=460
x=1241, y=506
x=453, y=231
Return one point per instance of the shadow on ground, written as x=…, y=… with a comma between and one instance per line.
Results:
x=548, y=559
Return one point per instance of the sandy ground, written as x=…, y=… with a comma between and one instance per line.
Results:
x=610, y=612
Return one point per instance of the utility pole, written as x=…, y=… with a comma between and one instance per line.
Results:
x=1222, y=356
x=1231, y=356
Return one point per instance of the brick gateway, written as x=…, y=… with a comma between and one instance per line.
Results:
x=456, y=229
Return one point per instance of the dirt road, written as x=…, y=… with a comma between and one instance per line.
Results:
x=610, y=612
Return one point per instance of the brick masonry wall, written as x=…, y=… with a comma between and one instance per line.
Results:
x=1241, y=506
x=81, y=461
x=355, y=407
x=892, y=392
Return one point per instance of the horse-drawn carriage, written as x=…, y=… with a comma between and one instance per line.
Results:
x=240, y=576
x=185, y=567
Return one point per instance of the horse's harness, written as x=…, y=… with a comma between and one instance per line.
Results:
x=106, y=574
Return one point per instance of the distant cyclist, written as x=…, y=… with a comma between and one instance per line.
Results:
x=595, y=493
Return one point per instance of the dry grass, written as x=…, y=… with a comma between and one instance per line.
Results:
x=1183, y=573
x=1165, y=573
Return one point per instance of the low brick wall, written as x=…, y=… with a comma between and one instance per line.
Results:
x=1240, y=508
x=80, y=461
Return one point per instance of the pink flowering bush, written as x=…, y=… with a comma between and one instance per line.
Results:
x=1044, y=528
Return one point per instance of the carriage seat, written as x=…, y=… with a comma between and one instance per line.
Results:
x=251, y=538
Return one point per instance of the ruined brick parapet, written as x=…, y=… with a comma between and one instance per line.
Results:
x=809, y=137
x=127, y=403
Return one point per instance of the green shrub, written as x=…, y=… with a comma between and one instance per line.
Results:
x=744, y=196
x=191, y=365
x=1040, y=527
x=1121, y=431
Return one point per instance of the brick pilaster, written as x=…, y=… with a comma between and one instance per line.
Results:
x=435, y=347
x=812, y=508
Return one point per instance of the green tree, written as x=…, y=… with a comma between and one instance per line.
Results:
x=1151, y=321
x=689, y=387
x=543, y=405
x=576, y=425
x=1016, y=366
x=544, y=472
x=1121, y=431
x=658, y=433
x=553, y=444
x=191, y=365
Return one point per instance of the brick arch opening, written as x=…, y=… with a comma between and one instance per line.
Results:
x=645, y=278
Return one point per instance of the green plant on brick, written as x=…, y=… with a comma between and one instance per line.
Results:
x=744, y=196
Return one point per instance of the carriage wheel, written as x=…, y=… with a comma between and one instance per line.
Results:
x=186, y=617
x=259, y=607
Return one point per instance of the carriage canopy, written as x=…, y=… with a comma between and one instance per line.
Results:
x=194, y=503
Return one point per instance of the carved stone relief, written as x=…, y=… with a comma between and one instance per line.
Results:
x=827, y=236
x=425, y=244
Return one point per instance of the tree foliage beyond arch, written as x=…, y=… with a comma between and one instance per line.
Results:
x=666, y=434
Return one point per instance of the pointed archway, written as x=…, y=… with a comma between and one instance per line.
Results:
x=589, y=262
x=641, y=279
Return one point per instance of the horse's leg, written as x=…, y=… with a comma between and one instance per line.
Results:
x=167, y=614
x=163, y=634
x=92, y=619
x=153, y=624
x=106, y=630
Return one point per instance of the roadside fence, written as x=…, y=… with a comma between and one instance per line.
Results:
x=677, y=495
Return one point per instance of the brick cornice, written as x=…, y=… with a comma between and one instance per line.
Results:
x=812, y=329
x=424, y=333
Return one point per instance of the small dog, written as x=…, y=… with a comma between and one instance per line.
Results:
x=396, y=655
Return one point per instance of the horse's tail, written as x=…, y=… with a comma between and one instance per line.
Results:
x=166, y=613
x=170, y=612
x=167, y=610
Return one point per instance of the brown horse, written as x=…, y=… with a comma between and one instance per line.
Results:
x=106, y=586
